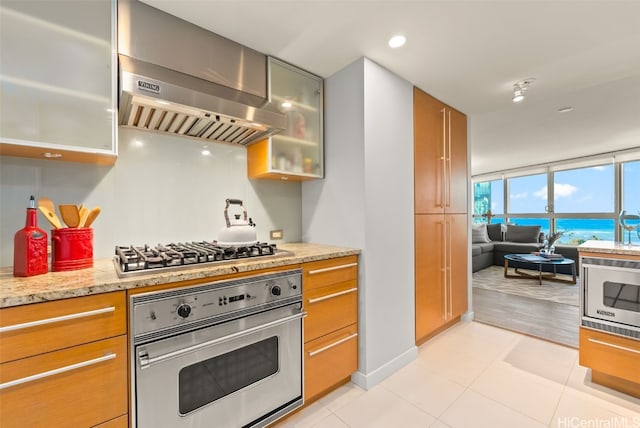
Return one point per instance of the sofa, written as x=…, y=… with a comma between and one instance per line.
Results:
x=490, y=242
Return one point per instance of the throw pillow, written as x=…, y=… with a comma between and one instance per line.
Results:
x=496, y=231
x=479, y=234
x=523, y=233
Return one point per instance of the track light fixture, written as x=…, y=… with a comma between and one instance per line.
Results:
x=520, y=89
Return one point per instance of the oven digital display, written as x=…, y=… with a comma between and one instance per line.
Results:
x=236, y=298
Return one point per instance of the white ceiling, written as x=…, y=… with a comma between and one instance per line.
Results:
x=584, y=54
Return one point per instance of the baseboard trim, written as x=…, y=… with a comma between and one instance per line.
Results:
x=369, y=380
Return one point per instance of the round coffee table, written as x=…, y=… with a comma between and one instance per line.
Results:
x=540, y=261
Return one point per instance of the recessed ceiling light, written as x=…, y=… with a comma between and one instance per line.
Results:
x=397, y=41
x=286, y=104
x=565, y=109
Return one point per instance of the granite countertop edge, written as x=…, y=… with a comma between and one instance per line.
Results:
x=102, y=277
x=609, y=247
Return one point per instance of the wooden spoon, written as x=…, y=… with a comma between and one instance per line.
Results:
x=50, y=216
x=84, y=212
x=70, y=215
x=92, y=216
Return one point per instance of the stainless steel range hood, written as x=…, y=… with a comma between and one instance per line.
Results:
x=178, y=78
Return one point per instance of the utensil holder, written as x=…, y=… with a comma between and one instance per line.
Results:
x=72, y=248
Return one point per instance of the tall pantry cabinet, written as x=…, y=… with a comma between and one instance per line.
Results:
x=440, y=189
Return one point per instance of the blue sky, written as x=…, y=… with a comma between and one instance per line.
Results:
x=579, y=190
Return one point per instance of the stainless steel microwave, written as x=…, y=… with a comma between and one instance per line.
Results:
x=611, y=295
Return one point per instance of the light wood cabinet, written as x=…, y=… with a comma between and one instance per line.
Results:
x=440, y=156
x=440, y=273
x=614, y=360
x=297, y=153
x=58, y=80
x=440, y=195
x=329, y=361
x=330, y=292
x=64, y=363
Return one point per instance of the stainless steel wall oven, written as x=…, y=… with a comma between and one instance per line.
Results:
x=611, y=295
x=226, y=353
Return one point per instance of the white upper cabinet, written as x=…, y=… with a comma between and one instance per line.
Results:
x=58, y=79
x=297, y=153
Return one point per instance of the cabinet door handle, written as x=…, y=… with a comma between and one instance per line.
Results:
x=612, y=345
x=444, y=269
x=334, y=344
x=331, y=296
x=316, y=271
x=449, y=269
x=57, y=371
x=57, y=319
x=448, y=178
x=443, y=179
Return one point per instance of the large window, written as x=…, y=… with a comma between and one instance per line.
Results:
x=488, y=196
x=584, y=190
x=528, y=194
x=631, y=198
x=580, y=197
x=582, y=203
x=577, y=230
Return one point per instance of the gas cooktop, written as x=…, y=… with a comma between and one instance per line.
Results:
x=141, y=260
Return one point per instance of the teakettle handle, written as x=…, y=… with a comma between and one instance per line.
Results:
x=234, y=202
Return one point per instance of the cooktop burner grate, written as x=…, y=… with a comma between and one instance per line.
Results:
x=132, y=259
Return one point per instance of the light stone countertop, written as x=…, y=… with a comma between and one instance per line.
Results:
x=102, y=278
x=609, y=247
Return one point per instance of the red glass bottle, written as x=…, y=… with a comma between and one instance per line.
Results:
x=30, y=246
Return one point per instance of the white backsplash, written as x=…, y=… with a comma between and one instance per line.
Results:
x=161, y=189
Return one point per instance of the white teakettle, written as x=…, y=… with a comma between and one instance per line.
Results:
x=238, y=232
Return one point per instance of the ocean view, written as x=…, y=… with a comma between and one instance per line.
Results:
x=577, y=231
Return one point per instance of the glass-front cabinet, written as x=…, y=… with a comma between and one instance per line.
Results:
x=295, y=154
x=58, y=80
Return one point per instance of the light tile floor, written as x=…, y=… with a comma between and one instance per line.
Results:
x=475, y=376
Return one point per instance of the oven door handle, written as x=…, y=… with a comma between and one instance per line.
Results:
x=146, y=361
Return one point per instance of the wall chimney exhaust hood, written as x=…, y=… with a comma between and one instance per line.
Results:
x=178, y=78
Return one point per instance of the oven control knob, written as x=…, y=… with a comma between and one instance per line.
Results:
x=184, y=310
x=275, y=290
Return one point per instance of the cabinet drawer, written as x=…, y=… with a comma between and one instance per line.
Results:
x=609, y=354
x=330, y=359
x=79, y=387
x=330, y=308
x=44, y=327
x=328, y=272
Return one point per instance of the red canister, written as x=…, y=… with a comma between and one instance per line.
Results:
x=72, y=248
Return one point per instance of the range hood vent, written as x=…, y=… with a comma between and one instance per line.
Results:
x=147, y=114
x=177, y=78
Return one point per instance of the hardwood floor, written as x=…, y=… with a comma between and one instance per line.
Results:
x=547, y=320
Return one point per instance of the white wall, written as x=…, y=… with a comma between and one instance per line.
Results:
x=366, y=201
x=161, y=189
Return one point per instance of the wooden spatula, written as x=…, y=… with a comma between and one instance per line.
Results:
x=83, y=212
x=92, y=216
x=50, y=216
x=70, y=215
x=47, y=203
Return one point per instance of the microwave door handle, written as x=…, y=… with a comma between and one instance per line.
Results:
x=147, y=361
